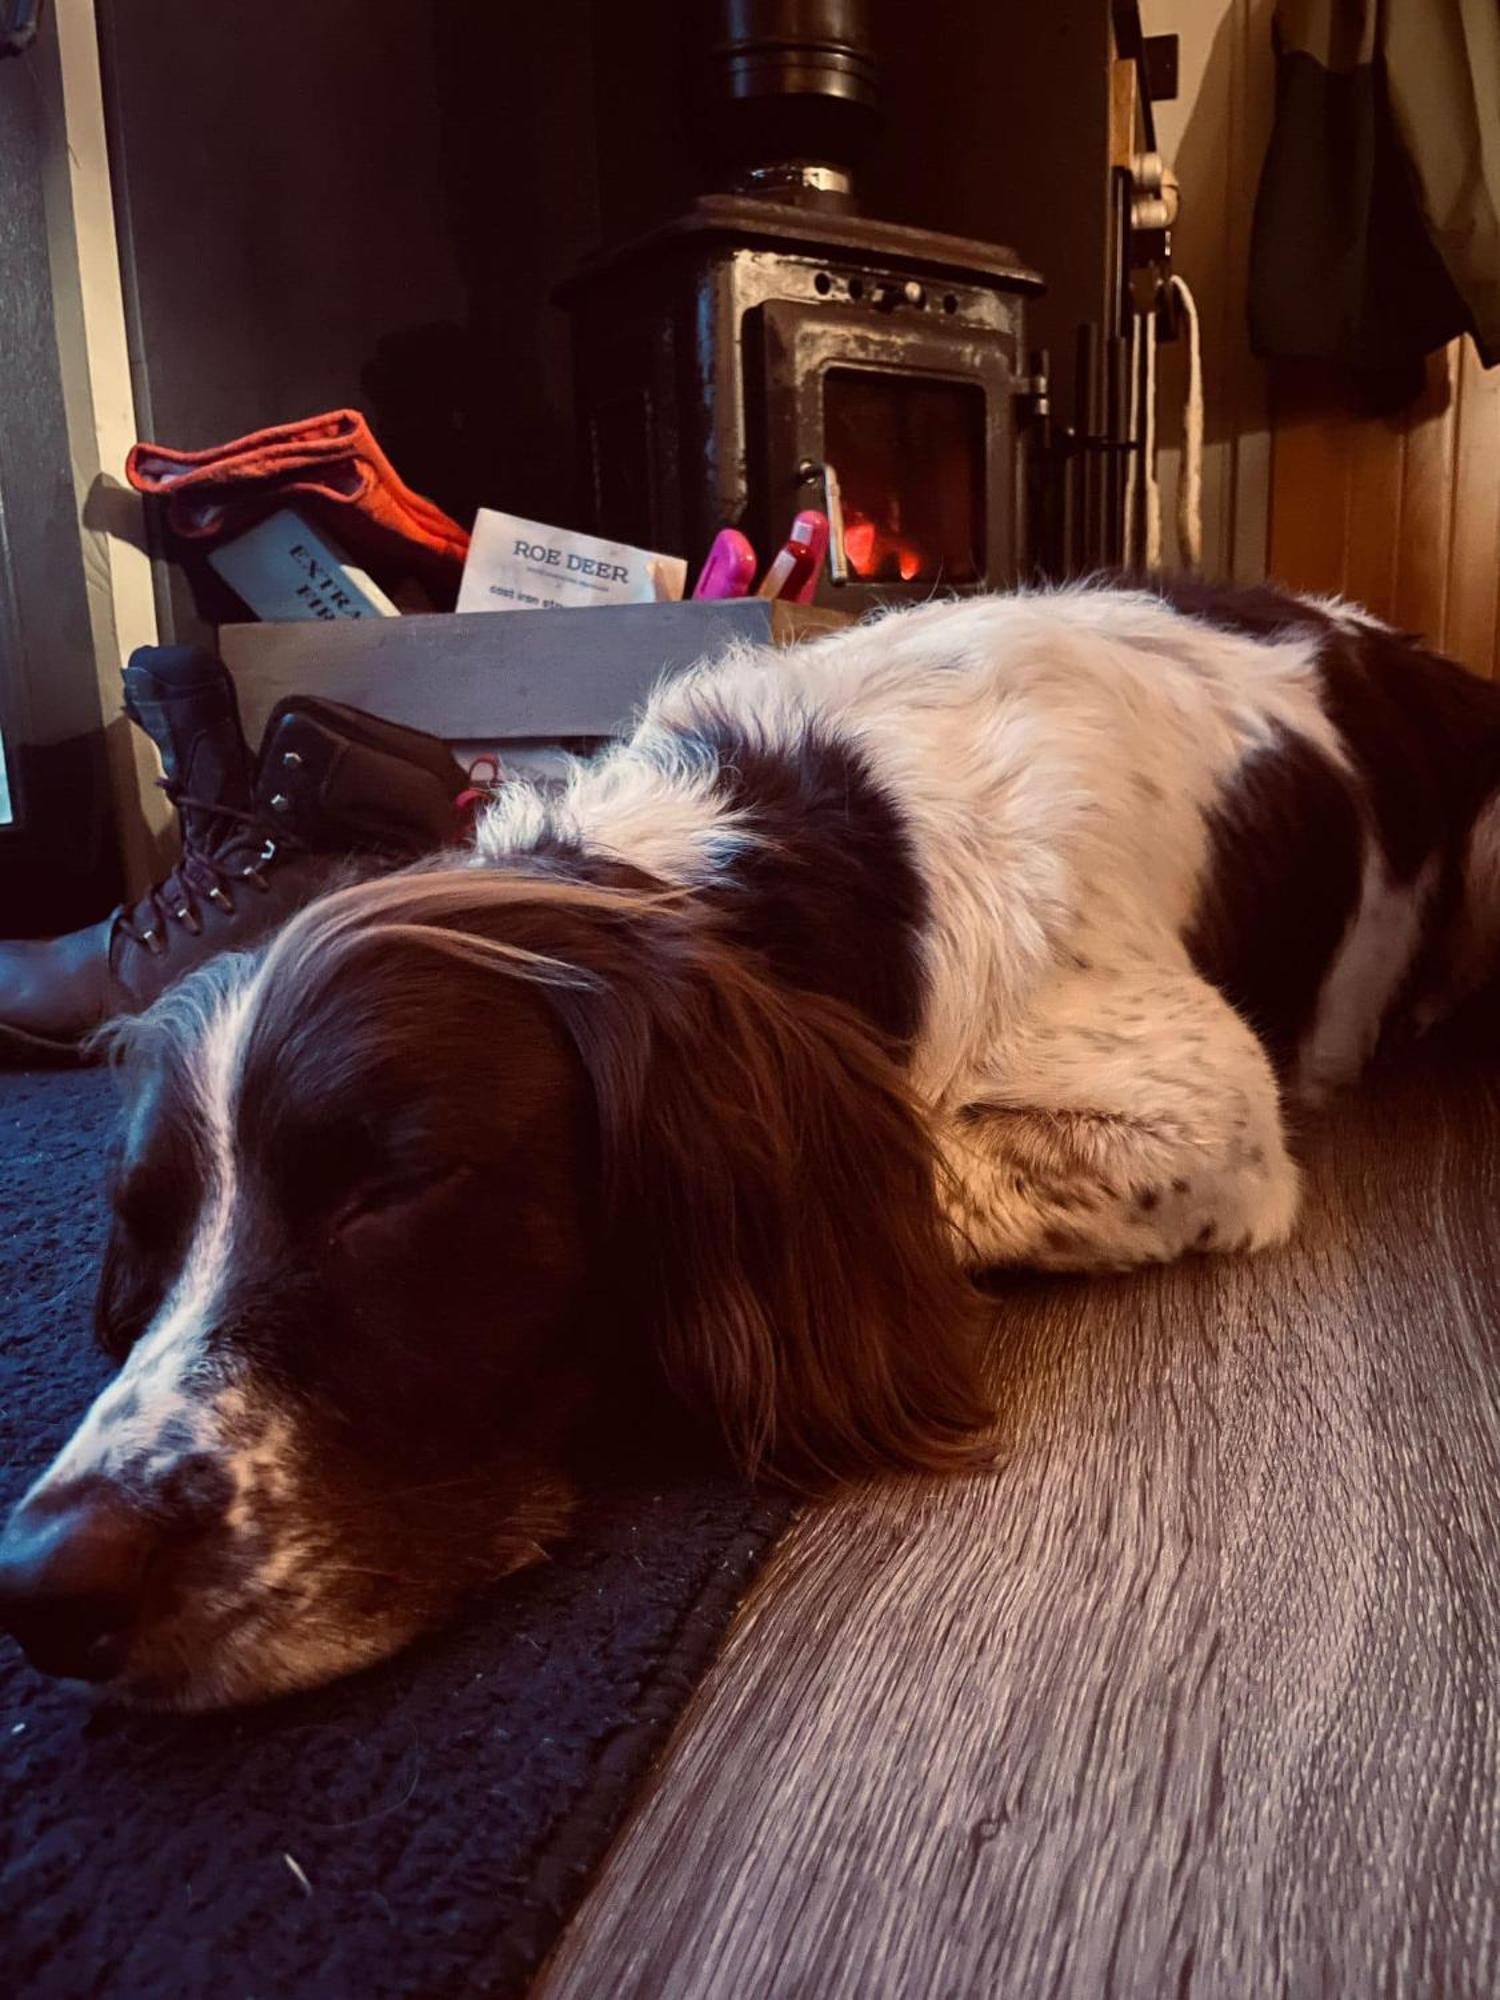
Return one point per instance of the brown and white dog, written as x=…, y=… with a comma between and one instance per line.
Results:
x=989, y=933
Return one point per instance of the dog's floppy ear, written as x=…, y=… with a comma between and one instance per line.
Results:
x=773, y=1193
x=769, y=1188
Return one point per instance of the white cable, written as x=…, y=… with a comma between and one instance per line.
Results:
x=1130, y=551
x=1190, y=478
x=1150, y=483
x=1190, y=471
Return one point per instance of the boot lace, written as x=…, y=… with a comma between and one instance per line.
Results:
x=203, y=873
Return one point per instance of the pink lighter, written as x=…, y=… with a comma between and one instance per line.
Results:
x=795, y=570
x=730, y=568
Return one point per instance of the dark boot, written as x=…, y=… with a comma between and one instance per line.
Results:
x=331, y=784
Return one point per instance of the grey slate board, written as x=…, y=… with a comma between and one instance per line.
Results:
x=528, y=676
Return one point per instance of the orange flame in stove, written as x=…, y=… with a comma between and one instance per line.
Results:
x=868, y=548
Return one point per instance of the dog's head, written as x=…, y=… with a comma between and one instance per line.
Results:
x=467, y=1163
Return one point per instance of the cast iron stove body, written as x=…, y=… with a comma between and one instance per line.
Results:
x=726, y=359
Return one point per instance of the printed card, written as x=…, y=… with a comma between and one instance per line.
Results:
x=517, y=565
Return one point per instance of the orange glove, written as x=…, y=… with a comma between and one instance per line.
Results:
x=329, y=467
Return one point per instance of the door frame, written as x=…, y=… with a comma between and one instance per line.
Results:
x=75, y=582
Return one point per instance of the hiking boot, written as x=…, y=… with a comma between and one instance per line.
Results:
x=333, y=792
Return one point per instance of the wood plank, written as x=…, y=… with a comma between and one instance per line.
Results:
x=1421, y=599
x=1252, y=96
x=1194, y=1695
x=95, y=361
x=1377, y=460
x=1470, y=630
x=59, y=860
x=1310, y=456
x=1124, y=134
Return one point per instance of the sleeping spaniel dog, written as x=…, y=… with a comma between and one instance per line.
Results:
x=992, y=933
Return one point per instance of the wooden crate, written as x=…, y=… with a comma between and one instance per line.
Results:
x=507, y=678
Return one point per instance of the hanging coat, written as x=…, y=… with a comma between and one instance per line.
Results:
x=1377, y=223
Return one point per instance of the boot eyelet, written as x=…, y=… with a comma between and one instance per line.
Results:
x=291, y=760
x=280, y=803
x=251, y=874
x=217, y=896
x=267, y=855
x=187, y=916
x=152, y=940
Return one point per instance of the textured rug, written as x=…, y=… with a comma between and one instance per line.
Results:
x=422, y=1830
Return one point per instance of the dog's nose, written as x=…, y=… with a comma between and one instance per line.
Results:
x=71, y=1570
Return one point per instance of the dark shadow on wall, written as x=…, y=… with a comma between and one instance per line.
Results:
x=359, y=203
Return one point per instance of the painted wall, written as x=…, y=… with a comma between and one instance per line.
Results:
x=1215, y=135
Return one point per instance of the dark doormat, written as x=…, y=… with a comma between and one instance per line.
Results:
x=422, y=1830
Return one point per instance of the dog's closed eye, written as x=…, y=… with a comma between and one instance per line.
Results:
x=391, y=1197
x=144, y=1248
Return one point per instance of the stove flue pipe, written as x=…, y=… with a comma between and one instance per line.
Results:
x=790, y=102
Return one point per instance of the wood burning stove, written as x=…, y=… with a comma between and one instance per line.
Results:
x=773, y=348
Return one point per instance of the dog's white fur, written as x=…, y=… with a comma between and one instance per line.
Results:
x=1055, y=756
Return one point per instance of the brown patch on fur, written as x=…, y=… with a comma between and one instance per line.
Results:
x=1282, y=882
x=1423, y=741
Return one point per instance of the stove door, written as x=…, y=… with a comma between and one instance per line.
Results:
x=916, y=418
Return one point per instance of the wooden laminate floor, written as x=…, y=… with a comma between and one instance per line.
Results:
x=1196, y=1696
